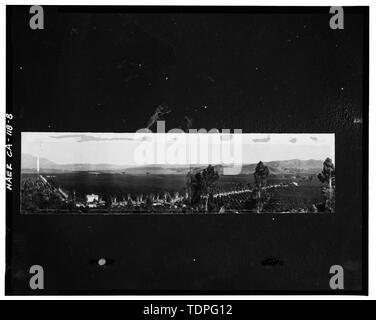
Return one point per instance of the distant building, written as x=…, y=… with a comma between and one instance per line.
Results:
x=90, y=198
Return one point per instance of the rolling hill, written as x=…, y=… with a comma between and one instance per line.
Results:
x=294, y=166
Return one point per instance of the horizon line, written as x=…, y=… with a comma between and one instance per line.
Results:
x=167, y=164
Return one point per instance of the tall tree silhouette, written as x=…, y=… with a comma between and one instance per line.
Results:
x=327, y=177
x=261, y=175
x=203, y=184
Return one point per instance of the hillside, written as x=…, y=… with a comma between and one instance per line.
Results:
x=29, y=164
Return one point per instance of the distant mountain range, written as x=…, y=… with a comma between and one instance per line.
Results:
x=295, y=166
x=29, y=164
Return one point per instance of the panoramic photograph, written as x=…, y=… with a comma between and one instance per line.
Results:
x=177, y=173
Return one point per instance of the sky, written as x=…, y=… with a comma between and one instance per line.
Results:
x=133, y=149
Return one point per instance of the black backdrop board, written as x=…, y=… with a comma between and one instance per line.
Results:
x=259, y=69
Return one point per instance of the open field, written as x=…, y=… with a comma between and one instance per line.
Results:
x=282, y=199
x=122, y=184
x=294, y=198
